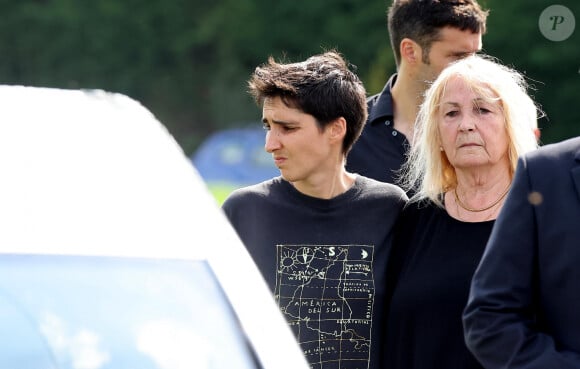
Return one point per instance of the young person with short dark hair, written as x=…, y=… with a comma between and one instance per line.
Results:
x=319, y=234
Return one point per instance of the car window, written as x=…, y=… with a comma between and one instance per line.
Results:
x=109, y=312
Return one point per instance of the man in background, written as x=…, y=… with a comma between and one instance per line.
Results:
x=426, y=36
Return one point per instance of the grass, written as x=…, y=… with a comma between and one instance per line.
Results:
x=220, y=191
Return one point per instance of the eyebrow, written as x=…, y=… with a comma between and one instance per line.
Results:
x=478, y=101
x=280, y=122
x=449, y=104
x=463, y=54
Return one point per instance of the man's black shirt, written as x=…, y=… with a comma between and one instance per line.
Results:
x=381, y=150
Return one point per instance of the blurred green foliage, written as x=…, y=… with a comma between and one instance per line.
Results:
x=188, y=61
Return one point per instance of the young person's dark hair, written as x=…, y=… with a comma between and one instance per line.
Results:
x=322, y=86
x=422, y=20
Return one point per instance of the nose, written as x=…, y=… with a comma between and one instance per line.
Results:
x=467, y=123
x=272, y=142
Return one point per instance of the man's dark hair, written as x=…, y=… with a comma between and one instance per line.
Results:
x=422, y=21
x=322, y=86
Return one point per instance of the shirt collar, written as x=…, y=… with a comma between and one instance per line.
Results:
x=381, y=107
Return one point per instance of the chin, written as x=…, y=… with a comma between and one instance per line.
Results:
x=291, y=177
x=286, y=176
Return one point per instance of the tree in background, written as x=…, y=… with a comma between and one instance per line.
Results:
x=188, y=61
x=552, y=67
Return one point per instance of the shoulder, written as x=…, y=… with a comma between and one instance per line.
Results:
x=553, y=158
x=415, y=209
x=416, y=220
x=251, y=194
x=569, y=148
x=372, y=187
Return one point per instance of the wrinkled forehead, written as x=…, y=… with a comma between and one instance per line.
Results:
x=462, y=85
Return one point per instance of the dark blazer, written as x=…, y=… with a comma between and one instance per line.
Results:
x=524, y=304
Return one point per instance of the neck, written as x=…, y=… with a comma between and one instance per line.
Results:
x=483, y=180
x=486, y=207
x=481, y=215
x=325, y=186
x=407, y=96
x=478, y=195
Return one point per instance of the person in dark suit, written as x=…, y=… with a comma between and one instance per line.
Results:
x=524, y=304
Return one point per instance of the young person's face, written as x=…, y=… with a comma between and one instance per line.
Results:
x=472, y=129
x=299, y=149
x=453, y=44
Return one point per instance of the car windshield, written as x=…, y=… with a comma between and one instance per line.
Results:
x=82, y=312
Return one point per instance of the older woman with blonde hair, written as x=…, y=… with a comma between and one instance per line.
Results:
x=475, y=121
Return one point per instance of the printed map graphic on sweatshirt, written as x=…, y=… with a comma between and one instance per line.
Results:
x=326, y=294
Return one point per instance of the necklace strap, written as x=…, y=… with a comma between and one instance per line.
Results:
x=460, y=203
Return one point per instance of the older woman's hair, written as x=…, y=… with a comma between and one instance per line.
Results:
x=427, y=170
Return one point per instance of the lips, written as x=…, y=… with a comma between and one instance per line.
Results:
x=468, y=140
x=279, y=160
x=469, y=145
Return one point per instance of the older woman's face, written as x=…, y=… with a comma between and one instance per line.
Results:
x=472, y=130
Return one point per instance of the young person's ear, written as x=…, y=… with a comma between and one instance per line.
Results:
x=410, y=51
x=338, y=129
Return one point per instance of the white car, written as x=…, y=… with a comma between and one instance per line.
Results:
x=113, y=254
